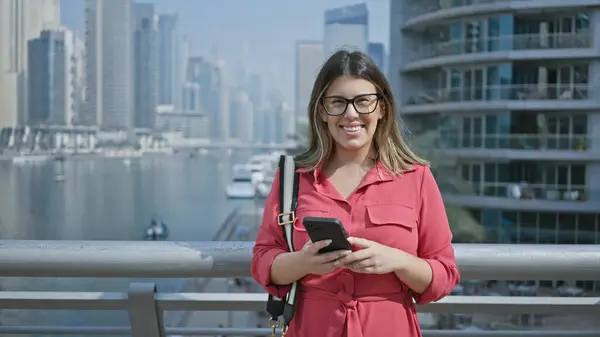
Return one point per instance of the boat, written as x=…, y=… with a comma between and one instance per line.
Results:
x=255, y=170
x=30, y=158
x=157, y=230
x=241, y=186
x=60, y=157
x=264, y=187
x=263, y=168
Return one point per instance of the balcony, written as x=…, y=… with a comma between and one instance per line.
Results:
x=546, y=147
x=421, y=7
x=420, y=13
x=547, y=97
x=146, y=306
x=568, y=45
x=520, y=196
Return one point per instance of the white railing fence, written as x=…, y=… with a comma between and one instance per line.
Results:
x=146, y=306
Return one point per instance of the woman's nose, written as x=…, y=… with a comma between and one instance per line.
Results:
x=351, y=111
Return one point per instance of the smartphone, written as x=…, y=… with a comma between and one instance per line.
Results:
x=319, y=229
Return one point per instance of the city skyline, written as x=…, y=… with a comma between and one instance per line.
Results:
x=268, y=50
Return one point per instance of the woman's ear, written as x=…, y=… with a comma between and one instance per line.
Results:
x=382, y=112
x=322, y=115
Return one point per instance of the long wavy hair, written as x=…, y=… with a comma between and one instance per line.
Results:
x=390, y=147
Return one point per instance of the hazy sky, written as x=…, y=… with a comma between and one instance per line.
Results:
x=270, y=28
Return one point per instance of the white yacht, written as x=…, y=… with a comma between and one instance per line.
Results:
x=270, y=163
x=259, y=165
x=241, y=185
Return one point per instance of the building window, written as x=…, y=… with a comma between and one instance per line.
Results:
x=526, y=180
x=515, y=130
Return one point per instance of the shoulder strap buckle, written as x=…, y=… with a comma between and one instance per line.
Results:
x=286, y=218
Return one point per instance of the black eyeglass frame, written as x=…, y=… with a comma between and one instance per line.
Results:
x=351, y=101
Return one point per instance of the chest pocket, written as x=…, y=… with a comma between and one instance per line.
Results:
x=300, y=236
x=393, y=225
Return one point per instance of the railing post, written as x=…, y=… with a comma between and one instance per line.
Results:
x=144, y=316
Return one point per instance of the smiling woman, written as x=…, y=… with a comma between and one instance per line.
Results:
x=351, y=133
x=359, y=170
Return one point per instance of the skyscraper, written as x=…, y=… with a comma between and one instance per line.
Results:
x=145, y=65
x=170, y=67
x=377, y=52
x=48, y=67
x=109, y=64
x=346, y=27
x=309, y=58
x=20, y=21
x=212, y=98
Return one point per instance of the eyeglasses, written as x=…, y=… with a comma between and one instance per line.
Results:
x=363, y=104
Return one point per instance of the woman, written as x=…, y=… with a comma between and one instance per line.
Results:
x=359, y=170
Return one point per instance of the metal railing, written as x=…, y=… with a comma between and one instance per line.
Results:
x=516, y=190
x=531, y=142
x=146, y=306
x=502, y=92
x=420, y=7
x=504, y=43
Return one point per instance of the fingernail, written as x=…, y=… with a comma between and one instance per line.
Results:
x=327, y=242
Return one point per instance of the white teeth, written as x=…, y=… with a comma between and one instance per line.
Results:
x=352, y=128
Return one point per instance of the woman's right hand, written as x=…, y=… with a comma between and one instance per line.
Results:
x=319, y=264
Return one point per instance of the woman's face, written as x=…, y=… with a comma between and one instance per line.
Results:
x=352, y=126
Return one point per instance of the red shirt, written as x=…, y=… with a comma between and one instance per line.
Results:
x=405, y=212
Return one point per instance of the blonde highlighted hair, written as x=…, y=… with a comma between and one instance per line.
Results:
x=390, y=147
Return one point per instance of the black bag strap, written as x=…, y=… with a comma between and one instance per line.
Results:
x=288, y=201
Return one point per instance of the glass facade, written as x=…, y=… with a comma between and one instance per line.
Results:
x=506, y=32
x=515, y=130
x=475, y=79
x=525, y=180
x=546, y=80
x=519, y=227
x=539, y=227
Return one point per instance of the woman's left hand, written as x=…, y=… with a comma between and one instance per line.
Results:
x=372, y=258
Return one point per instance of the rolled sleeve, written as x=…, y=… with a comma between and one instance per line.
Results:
x=435, y=242
x=270, y=242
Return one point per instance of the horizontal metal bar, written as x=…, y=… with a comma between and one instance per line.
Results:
x=64, y=330
x=450, y=304
x=131, y=259
x=426, y=333
x=257, y=301
x=95, y=330
x=67, y=300
x=139, y=259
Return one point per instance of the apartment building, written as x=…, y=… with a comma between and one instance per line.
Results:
x=511, y=86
